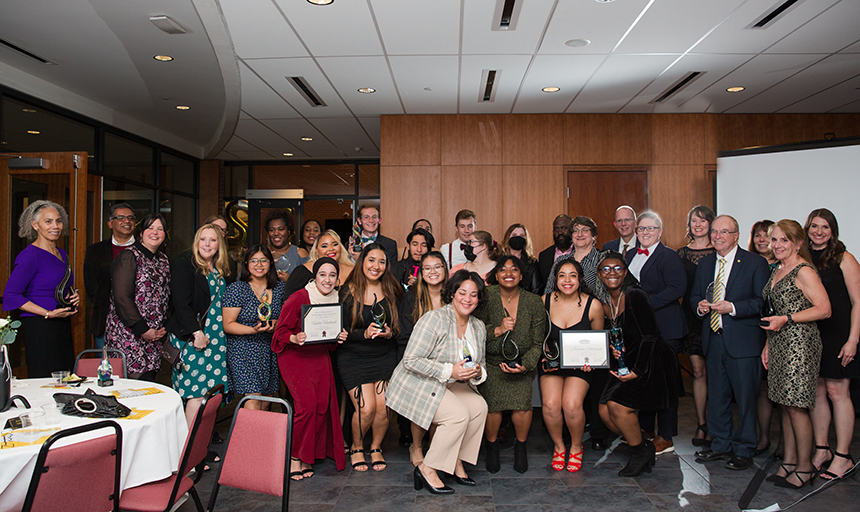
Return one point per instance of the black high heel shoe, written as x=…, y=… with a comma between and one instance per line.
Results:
x=776, y=478
x=788, y=485
x=421, y=481
x=467, y=480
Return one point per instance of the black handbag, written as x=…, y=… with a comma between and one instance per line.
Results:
x=91, y=405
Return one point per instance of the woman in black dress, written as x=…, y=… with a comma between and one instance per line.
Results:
x=653, y=367
x=570, y=307
x=840, y=274
x=370, y=297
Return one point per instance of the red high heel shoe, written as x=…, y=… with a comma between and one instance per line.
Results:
x=557, y=460
x=574, y=464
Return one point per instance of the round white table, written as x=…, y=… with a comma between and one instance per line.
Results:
x=153, y=436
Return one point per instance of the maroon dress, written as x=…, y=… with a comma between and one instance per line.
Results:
x=307, y=372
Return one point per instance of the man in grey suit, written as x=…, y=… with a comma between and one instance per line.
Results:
x=732, y=342
x=625, y=223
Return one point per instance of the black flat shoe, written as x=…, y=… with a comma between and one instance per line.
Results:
x=459, y=480
x=421, y=481
x=739, y=463
x=599, y=444
x=759, y=451
x=708, y=455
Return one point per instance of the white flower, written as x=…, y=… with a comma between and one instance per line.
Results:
x=3, y=322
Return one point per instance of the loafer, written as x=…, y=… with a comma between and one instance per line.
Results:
x=708, y=455
x=599, y=444
x=739, y=463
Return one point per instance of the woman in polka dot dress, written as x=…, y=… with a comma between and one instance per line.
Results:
x=197, y=285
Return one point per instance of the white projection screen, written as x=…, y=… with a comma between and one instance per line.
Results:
x=788, y=182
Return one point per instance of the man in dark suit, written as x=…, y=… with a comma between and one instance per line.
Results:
x=732, y=341
x=563, y=244
x=369, y=220
x=625, y=223
x=97, y=262
x=661, y=274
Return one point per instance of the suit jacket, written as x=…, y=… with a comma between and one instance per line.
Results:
x=390, y=247
x=546, y=258
x=664, y=279
x=742, y=334
x=613, y=244
x=97, y=262
x=189, y=292
x=419, y=380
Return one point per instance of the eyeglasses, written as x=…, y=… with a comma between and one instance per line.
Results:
x=723, y=232
x=370, y=217
x=475, y=243
x=257, y=261
x=582, y=230
x=650, y=229
x=123, y=218
x=432, y=268
x=610, y=269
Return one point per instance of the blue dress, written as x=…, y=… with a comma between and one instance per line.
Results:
x=253, y=365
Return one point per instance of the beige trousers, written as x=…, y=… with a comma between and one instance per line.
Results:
x=459, y=424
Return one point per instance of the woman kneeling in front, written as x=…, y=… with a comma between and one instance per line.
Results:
x=435, y=382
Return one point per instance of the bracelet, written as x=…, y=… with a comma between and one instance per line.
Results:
x=47, y=314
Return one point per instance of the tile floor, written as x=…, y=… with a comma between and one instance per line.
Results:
x=676, y=483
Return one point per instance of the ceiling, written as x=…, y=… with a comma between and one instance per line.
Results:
x=422, y=57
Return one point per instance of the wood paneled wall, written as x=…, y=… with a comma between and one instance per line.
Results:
x=512, y=168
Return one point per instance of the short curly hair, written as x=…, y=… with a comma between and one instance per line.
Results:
x=31, y=214
x=457, y=279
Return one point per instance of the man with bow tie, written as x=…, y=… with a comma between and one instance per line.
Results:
x=465, y=224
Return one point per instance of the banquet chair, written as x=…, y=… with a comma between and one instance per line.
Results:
x=162, y=495
x=57, y=484
x=89, y=366
x=257, y=454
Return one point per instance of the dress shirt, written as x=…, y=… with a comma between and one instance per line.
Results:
x=630, y=245
x=453, y=254
x=639, y=260
x=558, y=253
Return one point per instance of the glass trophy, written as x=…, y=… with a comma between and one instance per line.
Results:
x=264, y=310
x=357, y=244
x=470, y=363
x=512, y=359
x=711, y=293
x=551, y=352
x=379, y=318
x=616, y=338
x=104, y=371
x=62, y=292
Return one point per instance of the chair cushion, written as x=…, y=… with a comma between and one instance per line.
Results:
x=154, y=496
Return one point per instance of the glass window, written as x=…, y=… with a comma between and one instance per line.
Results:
x=179, y=212
x=314, y=179
x=127, y=159
x=176, y=173
x=26, y=128
x=236, y=180
x=368, y=180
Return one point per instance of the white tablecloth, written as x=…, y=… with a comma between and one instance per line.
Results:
x=151, y=445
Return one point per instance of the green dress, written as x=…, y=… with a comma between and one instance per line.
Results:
x=512, y=391
x=204, y=369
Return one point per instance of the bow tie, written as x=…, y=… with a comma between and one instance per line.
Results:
x=642, y=251
x=463, y=247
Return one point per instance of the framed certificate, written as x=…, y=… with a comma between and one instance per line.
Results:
x=321, y=322
x=579, y=348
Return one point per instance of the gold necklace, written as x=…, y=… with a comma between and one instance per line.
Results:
x=615, y=307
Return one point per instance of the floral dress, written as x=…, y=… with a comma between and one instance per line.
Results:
x=204, y=369
x=253, y=365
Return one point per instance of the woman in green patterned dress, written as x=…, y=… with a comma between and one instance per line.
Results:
x=197, y=285
x=509, y=387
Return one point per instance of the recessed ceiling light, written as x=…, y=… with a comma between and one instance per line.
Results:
x=321, y=2
x=162, y=58
x=551, y=89
x=735, y=89
x=183, y=107
x=604, y=1
x=30, y=110
x=307, y=138
x=367, y=90
x=577, y=43
x=4, y=142
x=288, y=154
x=33, y=132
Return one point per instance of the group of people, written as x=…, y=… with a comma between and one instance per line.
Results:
x=451, y=339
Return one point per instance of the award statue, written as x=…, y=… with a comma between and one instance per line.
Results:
x=710, y=293
x=470, y=363
x=616, y=338
x=105, y=370
x=264, y=310
x=62, y=292
x=380, y=317
x=512, y=359
x=766, y=310
x=357, y=244
x=553, y=362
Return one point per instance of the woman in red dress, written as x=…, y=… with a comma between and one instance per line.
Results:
x=306, y=369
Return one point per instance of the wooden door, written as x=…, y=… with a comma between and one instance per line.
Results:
x=597, y=192
x=65, y=182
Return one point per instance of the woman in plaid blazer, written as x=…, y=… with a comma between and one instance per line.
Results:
x=435, y=382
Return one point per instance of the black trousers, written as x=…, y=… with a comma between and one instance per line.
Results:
x=47, y=345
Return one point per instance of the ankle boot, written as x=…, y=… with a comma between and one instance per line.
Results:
x=493, y=463
x=521, y=459
x=641, y=459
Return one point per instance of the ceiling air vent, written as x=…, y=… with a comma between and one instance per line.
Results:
x=675, y=88
x=307, y=92
x=774, y=13
x=26, y=53
x=506, y=15
x=489, y=77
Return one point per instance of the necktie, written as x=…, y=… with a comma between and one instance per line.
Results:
x=624, y=250
x=718, y=293
x=642, y=251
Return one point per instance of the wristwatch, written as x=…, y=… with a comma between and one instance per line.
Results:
x=790, y=321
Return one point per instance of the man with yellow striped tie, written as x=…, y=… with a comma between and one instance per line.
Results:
x=727, y=293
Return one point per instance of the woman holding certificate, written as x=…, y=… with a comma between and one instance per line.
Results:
x=370, y=296
x=515, y=322
x=435, y=383
x=306, y=369
x=251, y=308
x=570, y=307
x=645, y=376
